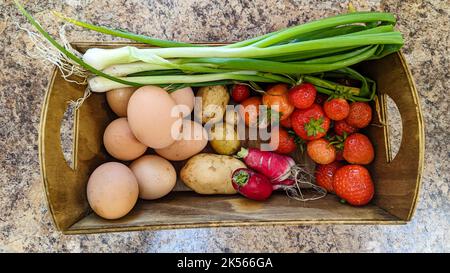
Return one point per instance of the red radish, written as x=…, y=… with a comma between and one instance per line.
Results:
x=275, y=166
x=283, y=184
x=251, y=184
x=282, y=172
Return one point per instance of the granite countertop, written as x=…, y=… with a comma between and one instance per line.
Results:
x=25, y=222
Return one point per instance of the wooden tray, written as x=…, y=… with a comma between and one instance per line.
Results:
x=397, y=180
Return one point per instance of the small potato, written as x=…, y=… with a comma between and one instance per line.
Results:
x=224, y=139
x=214, y=100
x=210, y=173
x=232, y=117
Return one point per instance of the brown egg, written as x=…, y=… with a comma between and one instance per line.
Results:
x=152, y=117
x=156, y=176
x=112, y=190
x=184, y=98
x=120, y=142
x=193, y=139
x=118, y=100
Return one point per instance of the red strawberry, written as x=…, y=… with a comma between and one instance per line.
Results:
x=341, y=127
x=358, y=149
x=360, y=114
x=303, y=95
x=310, y=123
x=286, y=123
x=336, y=109
x=240, y=92
x=324, y=174
x=320, y=98
x=321, y=151
x=353, y=184
x=286, y=142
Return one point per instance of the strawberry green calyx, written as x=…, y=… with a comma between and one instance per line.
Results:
x=314, y=127
x=338, y=141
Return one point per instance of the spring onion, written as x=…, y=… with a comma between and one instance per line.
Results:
x=314, y=52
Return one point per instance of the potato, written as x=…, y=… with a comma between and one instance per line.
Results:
x=214, y=100
x=232, y=117
x=224, y=139
x=210, y=173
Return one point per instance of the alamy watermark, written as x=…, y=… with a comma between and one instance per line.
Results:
x=251, y=123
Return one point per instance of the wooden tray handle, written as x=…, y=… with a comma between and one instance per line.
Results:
x=398, y=179
x=60, y=181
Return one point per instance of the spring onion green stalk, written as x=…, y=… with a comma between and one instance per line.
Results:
x=355, y=17
x=148, y=40
x=130, y=68
x=123, y=34
x=100, y=84
x=211, y=65
x=294, y=68
x=102, y=58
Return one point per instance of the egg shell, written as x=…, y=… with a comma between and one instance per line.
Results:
x=151, y=117
x=120, y=142
x=118, y=100
x=112, y=190
x=184, y=98
x=155, y=175
x=193, y=140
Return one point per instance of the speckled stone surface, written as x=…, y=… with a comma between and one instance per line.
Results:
x=25, y=222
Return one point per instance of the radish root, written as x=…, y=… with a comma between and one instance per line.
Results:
x=302, y=176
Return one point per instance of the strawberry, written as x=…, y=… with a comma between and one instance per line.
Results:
x=303, y=95
x=360, y=114
x=286, y=142
x=339, y=155
x=310, y=123
x=240, y=92
x=320, y=98
x=353, y=184
x=321, y=151
x=286, y=123
x=336, y=109
x=324, y=174
x=341, y=127
x=358, y=149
